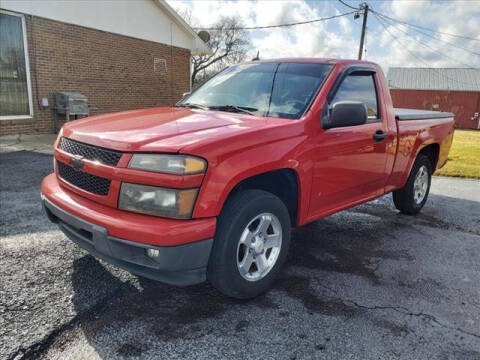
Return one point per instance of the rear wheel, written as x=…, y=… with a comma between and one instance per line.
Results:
x=412, y=197
x=251, y=244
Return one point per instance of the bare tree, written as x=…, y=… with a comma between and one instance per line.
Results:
x=229, y=45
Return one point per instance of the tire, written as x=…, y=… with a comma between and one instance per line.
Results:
x=232, y=246
x=408, y=199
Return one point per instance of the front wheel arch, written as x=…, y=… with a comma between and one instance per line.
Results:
x=283, y=183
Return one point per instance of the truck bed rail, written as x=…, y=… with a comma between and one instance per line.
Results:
x=413, y=114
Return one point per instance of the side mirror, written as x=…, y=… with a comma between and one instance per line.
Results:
x=344, y=113
x=185, y=94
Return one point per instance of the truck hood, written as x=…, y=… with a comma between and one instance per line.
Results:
x=165, y=129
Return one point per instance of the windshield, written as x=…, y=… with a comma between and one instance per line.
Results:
x=265, y=89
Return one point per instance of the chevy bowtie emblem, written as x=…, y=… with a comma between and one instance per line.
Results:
x=76, y=163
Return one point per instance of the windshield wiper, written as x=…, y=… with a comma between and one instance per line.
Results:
x=234, y=108
x=192, y=106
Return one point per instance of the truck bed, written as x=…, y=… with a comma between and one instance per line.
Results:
x=430, y=127
x=414, y=114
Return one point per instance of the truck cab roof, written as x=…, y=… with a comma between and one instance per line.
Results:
x=316, y=60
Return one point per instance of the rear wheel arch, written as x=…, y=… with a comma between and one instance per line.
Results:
x=432, y=151
x=283, y=183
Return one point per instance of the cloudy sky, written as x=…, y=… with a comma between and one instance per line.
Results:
x=399, y=45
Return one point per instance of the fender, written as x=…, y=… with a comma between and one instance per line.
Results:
x=424, y=138
x=225, y=175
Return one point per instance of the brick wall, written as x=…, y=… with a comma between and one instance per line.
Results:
x=115, y=72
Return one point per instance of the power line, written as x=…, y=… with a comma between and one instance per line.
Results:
x=280, y=25
x=432, y=36
x=347, y=5
x=429, y=47
x=415, y=56
x=425, y=28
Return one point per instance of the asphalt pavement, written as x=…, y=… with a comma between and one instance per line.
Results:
x=367, y=283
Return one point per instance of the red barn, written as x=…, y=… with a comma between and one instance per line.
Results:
x=455, y=90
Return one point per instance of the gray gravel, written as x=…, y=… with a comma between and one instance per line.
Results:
x=367, y=283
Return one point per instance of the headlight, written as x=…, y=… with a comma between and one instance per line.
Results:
x=171, y=164
x=153, y=200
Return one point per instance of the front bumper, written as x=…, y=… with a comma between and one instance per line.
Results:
x=179, y=264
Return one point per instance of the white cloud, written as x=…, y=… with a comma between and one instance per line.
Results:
x=309, y=40
x=455, y=17
x=206, y=13
x=340, y=37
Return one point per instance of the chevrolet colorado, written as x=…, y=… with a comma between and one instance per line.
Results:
x=210, y=188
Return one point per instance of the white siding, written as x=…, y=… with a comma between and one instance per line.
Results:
x=142, y=19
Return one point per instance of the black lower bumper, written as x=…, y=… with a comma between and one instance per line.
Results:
x=176, y=265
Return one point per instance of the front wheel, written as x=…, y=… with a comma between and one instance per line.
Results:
x=411, y=198
x=251, y=244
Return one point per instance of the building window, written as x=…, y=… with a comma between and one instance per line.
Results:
x=15, y=89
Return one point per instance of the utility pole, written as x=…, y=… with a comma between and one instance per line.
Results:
x=364, y=6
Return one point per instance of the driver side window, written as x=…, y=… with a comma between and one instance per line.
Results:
x=360, y=87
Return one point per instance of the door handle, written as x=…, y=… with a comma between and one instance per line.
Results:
x=379, y=136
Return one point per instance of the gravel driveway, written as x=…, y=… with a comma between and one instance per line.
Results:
x=367, y=283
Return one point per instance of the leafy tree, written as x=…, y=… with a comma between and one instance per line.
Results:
x=229, y=45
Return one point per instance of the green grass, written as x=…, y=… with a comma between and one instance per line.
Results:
x=464, y=156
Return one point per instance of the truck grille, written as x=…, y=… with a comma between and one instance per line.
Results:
x=88, y=182
x=90, y=152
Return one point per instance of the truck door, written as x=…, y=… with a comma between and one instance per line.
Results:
x=350, y=161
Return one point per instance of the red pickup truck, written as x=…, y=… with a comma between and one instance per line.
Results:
x=210, y=188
